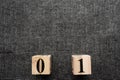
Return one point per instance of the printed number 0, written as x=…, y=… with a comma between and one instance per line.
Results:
x=40, y=66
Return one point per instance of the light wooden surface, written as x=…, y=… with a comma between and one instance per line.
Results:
x=41, y=64
x=81, y=64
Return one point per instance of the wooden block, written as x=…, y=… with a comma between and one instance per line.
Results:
x=81, y=64
x=41, y=64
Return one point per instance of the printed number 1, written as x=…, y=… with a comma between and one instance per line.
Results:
x=81, y=65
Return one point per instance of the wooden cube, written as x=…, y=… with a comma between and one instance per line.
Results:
x=41, y=64
x=81, y=64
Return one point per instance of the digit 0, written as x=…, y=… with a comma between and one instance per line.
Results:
x=40, y=65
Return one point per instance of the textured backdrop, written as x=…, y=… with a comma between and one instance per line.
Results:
x=60, y=28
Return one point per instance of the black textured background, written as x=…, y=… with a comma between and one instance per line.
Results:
x=60, y=28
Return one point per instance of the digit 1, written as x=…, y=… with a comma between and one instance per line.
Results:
x=40, y=65
x=81, y=65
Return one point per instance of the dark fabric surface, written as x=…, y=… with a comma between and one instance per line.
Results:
x=60, y=28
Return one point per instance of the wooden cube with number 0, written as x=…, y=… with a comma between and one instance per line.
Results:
x=41, y=64
x=81, y=64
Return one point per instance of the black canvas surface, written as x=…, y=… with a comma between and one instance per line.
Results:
x=60, y=28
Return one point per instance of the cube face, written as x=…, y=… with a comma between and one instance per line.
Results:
x=41, y=64
x=81, y=64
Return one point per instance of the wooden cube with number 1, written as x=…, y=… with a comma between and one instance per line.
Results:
x=81, y=64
